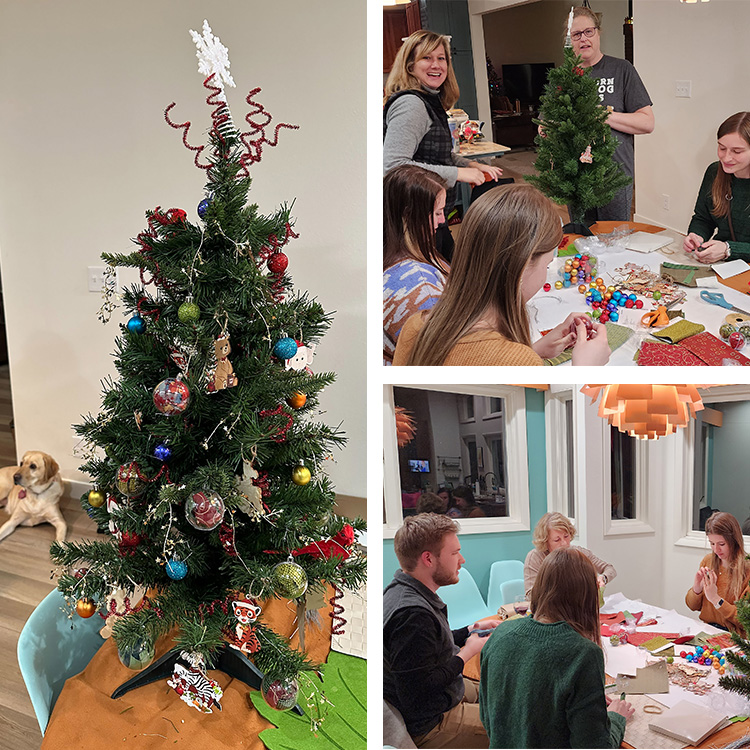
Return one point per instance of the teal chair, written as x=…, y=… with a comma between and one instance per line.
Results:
x=465, y=603
x=500, y=572
x=49, y=651
x=510, y=590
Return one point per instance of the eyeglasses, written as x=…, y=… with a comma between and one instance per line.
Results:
x=588, y=33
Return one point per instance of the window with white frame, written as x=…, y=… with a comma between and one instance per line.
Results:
x=461, y=436
x=721, y=435
x=560, y=448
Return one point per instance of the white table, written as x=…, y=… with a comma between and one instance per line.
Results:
x=548, y=309
x=626, y=658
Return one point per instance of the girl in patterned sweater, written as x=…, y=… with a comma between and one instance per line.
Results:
x=413, y=271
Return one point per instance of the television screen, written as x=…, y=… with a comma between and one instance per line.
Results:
x=525, y=82
x=420, y=465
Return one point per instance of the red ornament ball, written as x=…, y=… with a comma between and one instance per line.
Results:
x=736, y=340
x=278, y=263
x=639, y=303
x=547, y=286
x=171, y=396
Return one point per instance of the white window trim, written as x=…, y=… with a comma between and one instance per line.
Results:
x=686, y=451
x=517, y=469
x=558, y=468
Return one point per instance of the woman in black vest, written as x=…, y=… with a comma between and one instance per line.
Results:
x=420, y=88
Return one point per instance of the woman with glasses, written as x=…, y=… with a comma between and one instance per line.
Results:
x=623, y=93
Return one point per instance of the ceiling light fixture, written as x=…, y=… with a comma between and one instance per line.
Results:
x=645, y=411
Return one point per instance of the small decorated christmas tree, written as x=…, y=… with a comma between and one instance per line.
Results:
x=574, y=155
x=739, y=683
x=206, y=457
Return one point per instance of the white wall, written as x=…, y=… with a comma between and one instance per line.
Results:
x=86, y=151
x=705, y=43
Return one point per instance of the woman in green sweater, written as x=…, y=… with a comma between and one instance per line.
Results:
x=720, y=227
x=542, y=677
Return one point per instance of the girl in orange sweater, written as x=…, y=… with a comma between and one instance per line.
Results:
x=723, y=576
x=508, y=238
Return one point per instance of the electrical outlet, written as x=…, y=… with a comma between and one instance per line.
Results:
x=95, y=277
x=682, y=89
x=665, y=202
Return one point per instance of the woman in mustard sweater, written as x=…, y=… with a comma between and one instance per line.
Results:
x=508, y=238
x=723, y=575
x=542, y=677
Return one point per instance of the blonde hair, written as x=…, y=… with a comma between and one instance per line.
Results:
x=419, y=44
x=551, y=521
x=581, y=11
x=420, y=533
x=566, y=590
x=727, y=526
x=721, y=188
x=502, y=232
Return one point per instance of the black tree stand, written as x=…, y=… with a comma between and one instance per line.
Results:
x=230, y=661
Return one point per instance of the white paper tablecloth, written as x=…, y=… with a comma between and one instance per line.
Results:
x=548, y=309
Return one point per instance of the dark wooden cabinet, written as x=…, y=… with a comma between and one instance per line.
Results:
x=514, y=130
x=399, y=21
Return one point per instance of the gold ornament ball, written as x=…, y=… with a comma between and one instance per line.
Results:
x=290, y=580
x=85, y=607
x=297, y=400
x=301, y=475
x=96, y=498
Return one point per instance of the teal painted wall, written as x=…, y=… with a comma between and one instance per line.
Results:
x=481, y=550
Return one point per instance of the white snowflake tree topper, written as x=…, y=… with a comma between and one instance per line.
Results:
x=213, y=58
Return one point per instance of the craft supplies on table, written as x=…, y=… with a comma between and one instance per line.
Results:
x=666, y=277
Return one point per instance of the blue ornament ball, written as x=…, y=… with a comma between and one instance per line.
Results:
x=136, y=324
x=285, y=348
x=203, y=207
x=163, y=452
x=614, y=317
x=176, y=569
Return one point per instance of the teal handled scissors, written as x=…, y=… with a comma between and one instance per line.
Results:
x=716, y=298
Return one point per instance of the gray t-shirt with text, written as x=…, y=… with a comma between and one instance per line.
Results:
x=621, y=88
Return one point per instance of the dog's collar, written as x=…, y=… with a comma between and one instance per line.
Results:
x=49, y=484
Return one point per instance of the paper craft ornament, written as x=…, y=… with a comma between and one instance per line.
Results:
x=221, y=373
x=190, y=681
x=244, y=637
x=252, y=500
x=586, y=156
x=301, y=360
x=280, y=693
x=171, y=396
x=204, y=510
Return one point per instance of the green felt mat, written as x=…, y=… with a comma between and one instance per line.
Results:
x=617, y=335
x=345, y=727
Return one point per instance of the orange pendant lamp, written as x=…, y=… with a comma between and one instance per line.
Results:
x=646, y=411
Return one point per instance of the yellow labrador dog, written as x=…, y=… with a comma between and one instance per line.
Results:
x=33, y=491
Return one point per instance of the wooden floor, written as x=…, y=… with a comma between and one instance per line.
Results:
x=25, y=579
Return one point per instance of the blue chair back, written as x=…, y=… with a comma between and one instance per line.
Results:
x=509, y=590
x=465, y=603
x=500, y=572
x=49, y=651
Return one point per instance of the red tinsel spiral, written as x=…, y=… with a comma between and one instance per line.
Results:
x=337, y=622
x=185, y=127
x=262, y=483
x=226, y=537
x=279, y=433
x=141, y=311
x=210, y=608
x=256, y=137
